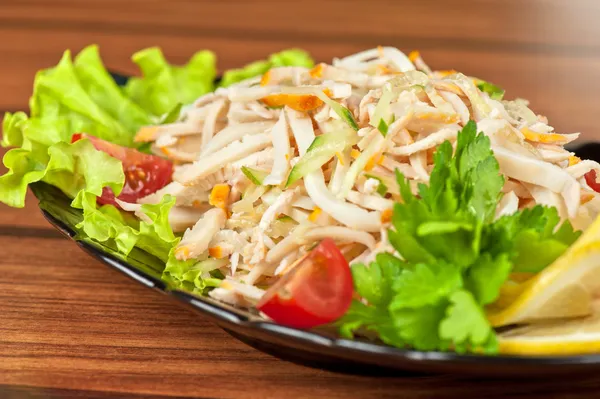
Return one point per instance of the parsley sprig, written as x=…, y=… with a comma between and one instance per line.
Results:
x=454, y=255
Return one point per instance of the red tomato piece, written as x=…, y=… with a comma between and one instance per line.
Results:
x=144, y=173
x=590, y=179
x=316, y=292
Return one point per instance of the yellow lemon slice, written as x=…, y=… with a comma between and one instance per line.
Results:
x=560, y=337
x=564, y=289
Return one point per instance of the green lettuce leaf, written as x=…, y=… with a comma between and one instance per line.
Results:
x=70, y=167
x=192, y=275
x=495, y=92
x=60, y=100
x=103, y=90
x=53, y=201
x=291, y=57
x=80, y=96
x=67, y=98
x=107, y=223
x=163, y=86
x=12, y=129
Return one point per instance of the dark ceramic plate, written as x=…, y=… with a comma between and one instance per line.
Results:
x=310, y=348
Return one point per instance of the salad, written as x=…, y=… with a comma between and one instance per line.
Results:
x=372, y=195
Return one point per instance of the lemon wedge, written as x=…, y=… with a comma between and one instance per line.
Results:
x=565, y=289
x=561, y=337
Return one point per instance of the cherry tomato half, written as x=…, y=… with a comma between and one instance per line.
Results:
x=317, y=291
x=590, y=179
x=144, y=173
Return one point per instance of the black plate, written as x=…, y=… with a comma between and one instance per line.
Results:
x=307, y=347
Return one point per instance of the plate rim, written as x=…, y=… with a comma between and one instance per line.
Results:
x=341, y=348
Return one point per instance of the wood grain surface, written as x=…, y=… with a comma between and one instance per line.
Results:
x=71, y=327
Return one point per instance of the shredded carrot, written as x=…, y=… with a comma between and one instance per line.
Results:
x=165, y=151
x=315, y=214
x=196, y=204
x=573, y=160
x=215, y=252
x=585, y=198
x=340, y=157
x=317, y=71
x=266, y=78
x=297, y=102
x=414, y=55
x=547, y=138
x=443, y=118
x=371, y=163
x=355, y=153
x=446, y=72
x=386, y=216
x=219, y=196
x=226, y=285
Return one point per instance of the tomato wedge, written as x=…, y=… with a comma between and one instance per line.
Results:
x=144, y=173
x=316, y=292
x=590, y=179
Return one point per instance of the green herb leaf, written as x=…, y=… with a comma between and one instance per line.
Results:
x=425, y=285
x=419, y=327
x=374, y=282
x=455, y=256
x=465, y=322
x=485, y=277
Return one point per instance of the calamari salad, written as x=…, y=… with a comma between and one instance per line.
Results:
x=372, y=192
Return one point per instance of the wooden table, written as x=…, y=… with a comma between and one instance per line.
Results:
x=70, y=327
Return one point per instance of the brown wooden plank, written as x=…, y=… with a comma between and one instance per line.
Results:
x=550, y=25
x=562, y=87
x=69, y=322
x=25, y=392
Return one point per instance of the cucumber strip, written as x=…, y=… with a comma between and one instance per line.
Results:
x=359, y=164
x=321, y=151
x=254, y=175
x=339, y=109
x=382, y=188
x=286, y=219
x=382, y=111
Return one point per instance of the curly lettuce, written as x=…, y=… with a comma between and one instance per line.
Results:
x=291, y=57
x=162, y=85
x=79, y=95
